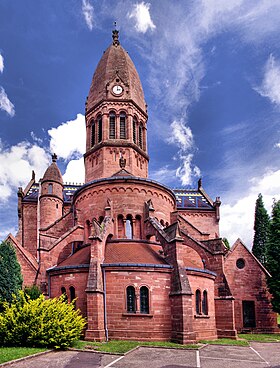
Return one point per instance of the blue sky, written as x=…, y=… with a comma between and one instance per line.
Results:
x=210, y=70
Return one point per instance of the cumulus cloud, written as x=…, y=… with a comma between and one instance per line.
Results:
x=5, y=103
x=17, y=163
x=142, y=17
x=270, y=86
x=88, y=13
x=237, y=218
x=1, y=64
x=75, y=172
x=181, y=135
x=68, y=139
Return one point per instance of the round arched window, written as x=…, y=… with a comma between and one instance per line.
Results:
x=240, y=263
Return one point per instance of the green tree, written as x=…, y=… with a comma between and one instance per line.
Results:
x=261, y=228
x=10, y=273
x=272, y=256
x=226, y=243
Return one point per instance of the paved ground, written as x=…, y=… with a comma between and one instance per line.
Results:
x=258, y=355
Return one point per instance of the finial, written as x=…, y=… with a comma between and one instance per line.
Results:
x=122, y=161
x=54, y=157
x=115, y=35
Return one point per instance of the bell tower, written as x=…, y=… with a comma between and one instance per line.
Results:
x=116, y=118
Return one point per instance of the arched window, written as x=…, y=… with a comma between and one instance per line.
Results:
x=134, y=129
x=121, y=232
x=137, y=234
x=92, y=133
x=128, y=227
x=204, y=303
x=63, y=292
x=122, y=125
x=50, y=189
x=140, y=136
x=99, y=120
x=198, y=302
x=130, y=299
x=72, y=293
x=112, y=125
x=144, y=300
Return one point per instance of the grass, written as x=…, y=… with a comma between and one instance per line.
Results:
x=261, y=337
x=7, y=354
x=226, y=342
x=278, y=319
x=123, y=346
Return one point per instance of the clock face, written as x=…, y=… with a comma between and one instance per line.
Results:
x=117, y=90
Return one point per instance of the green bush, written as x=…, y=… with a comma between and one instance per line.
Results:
x=32, y=291
x=40, y=322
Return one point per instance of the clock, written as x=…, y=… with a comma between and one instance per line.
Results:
x=117, y=90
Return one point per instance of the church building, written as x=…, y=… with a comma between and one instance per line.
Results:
x=145, y=262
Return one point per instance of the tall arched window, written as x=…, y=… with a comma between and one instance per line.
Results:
x=92, y=133
x=63, y=292
x=198, y=301
x=134, y=130
x=144, y=300
x=72, y=293
x=99, y=120
x=121, y=232
x=112, y=125
x=122, y=125
x=50, y=189
x=140, y=136
x=204, y=303
x=130, y=299
x=128, y=227
x=137, y=234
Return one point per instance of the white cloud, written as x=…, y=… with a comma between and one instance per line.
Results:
x=187, y=171
x=270, y=86
x=1, y=64
x=17, y=163
x=163, y=175
x=68, y=139
x=277, y=145
x=75, y=172
x=237, y=218
x=88, y=13
x=5, y=103
x=141, y=14
x=181, y=135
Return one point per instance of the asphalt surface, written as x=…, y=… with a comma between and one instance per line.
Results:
x=258, y=355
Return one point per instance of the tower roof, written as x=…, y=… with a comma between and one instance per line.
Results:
x=116, y=64
x=53, y=173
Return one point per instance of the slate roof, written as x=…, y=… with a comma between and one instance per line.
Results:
x=186, y=198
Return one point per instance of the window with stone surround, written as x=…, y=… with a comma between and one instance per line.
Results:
x=144, y=300
x=122, y=125
x=100, y=135
x=134, y=129
x=140, y=136
x=50, y=189
x=128, y=227
x=63, y=292
x=204, y=303
x=112, y=125
x=72, y=294
x=198, y=302
x=130, y=299
x=92, y=133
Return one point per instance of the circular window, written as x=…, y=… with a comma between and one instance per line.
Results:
x=240, y=263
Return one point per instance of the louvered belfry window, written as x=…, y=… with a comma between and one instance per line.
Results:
x=99, y=119
x=122, y=125
x=112, y=125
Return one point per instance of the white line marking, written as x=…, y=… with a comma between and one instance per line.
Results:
x=255, y=351
x=197, y=359
x=115, y=361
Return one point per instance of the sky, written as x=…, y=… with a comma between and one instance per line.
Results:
x=210, y=71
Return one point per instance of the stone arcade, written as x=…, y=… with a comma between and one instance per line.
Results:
x=143, y=261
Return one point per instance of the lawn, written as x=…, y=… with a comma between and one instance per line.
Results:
x=226, y=342
x=261, y=337
x=7, y=354
x=123, y=346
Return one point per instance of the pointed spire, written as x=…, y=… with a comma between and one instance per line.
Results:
x=115, y=35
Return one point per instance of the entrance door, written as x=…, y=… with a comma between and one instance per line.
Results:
x=249, y=318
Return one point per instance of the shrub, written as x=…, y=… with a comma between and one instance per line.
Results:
x=40, y=322
x=32, y=291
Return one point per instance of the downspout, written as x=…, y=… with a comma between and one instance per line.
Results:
x=105, y=304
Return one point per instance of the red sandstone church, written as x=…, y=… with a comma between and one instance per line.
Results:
x=144, y=261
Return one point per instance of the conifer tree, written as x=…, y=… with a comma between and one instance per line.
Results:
x=10, y=273
x=272, y=256
x=261, y=228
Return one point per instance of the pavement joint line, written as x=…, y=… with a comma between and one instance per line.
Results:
x=197, y=359
x=113, y=362
x=235, y=360
x=255, y=351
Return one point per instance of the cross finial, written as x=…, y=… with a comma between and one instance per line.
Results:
x=115, y=35
x=54, y=157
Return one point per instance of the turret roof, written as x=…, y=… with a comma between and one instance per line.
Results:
x=53, y=173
